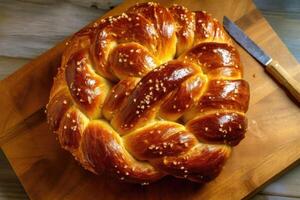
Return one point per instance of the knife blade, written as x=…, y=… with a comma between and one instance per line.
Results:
x=246, y=42
x=271, y=66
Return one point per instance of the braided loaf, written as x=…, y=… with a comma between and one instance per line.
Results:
x=153, y=92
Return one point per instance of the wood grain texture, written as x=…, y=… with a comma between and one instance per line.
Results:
x=10, y=187
x=33, y=31
x=287, y=185
x=284, y=17
x=8, y=65
x=42, y=159
x=272, y=197
x=284, y=79
x=103, y=4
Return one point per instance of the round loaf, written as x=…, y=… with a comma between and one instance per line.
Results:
x=152, y=92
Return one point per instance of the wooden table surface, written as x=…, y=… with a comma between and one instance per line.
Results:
x=29, y=27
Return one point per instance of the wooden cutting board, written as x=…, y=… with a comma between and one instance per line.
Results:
x=272, y=143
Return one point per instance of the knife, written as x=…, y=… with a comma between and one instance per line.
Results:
x=271, y=66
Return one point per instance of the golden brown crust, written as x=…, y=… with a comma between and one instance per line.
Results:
x=120, y=103
x=201, y=164
x=162, y=139
x=226, y=127
x=144, y=101
x=184, y=20
x=104, y=150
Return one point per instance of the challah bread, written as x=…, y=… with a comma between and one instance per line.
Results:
x=153, y=92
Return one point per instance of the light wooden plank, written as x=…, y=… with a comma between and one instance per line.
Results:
x=10, y=187
x=287, y=185
x=284, y=17
x=9, y=65
x=27, y=29
x=285, y=6
x=287, y=30
x=103, y=4
x=270, y=197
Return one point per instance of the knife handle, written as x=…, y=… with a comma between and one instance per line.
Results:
x=284, y=78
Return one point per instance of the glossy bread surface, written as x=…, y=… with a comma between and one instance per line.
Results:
x=153, y=92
